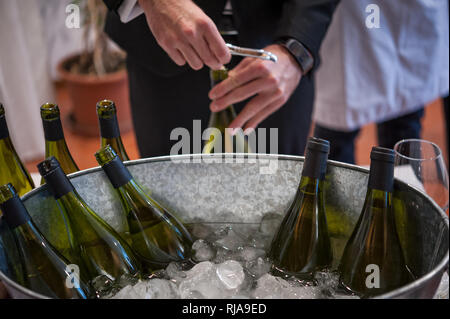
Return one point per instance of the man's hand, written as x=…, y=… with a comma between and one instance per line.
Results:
x=272, y=83
x=186, y=33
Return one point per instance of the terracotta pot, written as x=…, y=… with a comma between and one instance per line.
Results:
x=86, y=90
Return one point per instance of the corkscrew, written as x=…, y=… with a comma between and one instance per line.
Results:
x=253, y=53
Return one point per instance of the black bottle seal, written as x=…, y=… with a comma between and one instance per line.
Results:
x=117, y=173
x=57, y=181
x=53, y=130
x=382, y=169
x=316, y=156
x=109, y=128
x=3, y=127
x=14, y=211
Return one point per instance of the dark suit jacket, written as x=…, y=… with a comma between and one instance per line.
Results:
x=259, y=22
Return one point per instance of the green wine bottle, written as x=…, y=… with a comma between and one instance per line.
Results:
x=47, y=272
x=10, y=262
x=157, y=236
x=55, y=143
x=11, y=168
x=100, y=247
x=301, y=245
x=220, y=140
x=109, y=128
x=373, y=261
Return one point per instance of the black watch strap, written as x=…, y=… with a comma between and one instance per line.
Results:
x=300, y=53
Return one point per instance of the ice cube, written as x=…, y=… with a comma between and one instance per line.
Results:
x=232, y=241
x=174, y=271
x=258, y=267
x=203, y=251
x=270, y=287
x=250, y=253
x=270, y=223
x=200, y=230
x=161, y=289
x=126, y=293
x=102, y=284
x=200, y=283
x=230, y=274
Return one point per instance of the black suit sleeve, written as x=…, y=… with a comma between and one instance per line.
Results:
x=307, y=21
x=113, y=5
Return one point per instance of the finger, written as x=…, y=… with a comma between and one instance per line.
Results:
x=176, y=56
x=241, y=93
x=242, y=65
x=256, y=105
x=217, y=44
x=234, y=80
x=262, y=115
x=191, y=56
x=205, y=53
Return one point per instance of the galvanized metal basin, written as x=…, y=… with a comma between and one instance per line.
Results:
x=244, y=190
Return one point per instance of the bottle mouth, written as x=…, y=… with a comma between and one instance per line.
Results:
x=382, y=154
x=49, y=111
x=106, y=108
x=105, y=155
x=48, y=165
x=318, y=144
x=7, y=192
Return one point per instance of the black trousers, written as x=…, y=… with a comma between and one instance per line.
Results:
x=160, y=104
x=342, y=146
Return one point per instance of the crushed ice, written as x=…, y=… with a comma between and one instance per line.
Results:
x=228, y=261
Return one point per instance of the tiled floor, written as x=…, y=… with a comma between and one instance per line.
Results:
x=83, y=148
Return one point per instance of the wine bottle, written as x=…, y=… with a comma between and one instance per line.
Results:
x=301, y=245
x=55, y=143
x=47, y=272
x=220, y=140
x=373, y=261
x=10, y=263
x=109, y=128
x=157, y=236
x=100, y=247
x=12, y=169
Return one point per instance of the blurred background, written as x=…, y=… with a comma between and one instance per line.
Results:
x=36, y=66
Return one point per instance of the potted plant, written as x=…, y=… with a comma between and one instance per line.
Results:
x=97, y=73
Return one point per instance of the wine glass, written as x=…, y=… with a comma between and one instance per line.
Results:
x=420, y=163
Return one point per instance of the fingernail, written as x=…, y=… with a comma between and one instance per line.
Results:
x=212, y=95
x=249, y=131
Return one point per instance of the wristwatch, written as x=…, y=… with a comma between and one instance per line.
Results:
x=300, y=53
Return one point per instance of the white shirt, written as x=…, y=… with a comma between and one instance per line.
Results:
x=373, y=75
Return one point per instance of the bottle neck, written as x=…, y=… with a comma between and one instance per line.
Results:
x=381, y=176
x=117, y=145
x=315, y=165
x=310, y=185
x=117, y=173
x=58, y=183
x=53, y=130
x=15, y=213
x=109, y=128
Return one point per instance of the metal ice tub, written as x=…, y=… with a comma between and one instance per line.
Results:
x=244, y=192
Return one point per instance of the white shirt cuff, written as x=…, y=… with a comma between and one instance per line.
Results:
x=128, y=10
